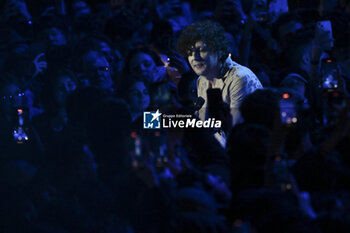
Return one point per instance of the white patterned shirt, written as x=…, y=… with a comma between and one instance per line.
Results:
x=238, y=81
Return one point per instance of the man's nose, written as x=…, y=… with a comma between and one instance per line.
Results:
x=197, y=55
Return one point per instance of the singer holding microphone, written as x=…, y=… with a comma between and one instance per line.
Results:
x=206, y=48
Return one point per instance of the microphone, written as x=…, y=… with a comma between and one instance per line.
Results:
x=198, y=103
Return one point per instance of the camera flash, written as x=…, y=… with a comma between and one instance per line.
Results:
x=286, y=96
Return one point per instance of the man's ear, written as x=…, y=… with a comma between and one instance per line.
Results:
x=221, y=56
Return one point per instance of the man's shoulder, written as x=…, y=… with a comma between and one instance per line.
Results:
x=232, y=69
x=239, y=71
x=242, y=76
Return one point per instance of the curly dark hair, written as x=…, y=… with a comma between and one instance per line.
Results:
x=211, y=33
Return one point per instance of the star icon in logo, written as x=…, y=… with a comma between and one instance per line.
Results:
x=156, y=115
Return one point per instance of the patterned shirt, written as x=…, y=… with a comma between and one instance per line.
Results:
x=237, y=82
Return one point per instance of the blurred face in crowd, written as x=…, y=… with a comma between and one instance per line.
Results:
x=202, y=60
x=139, y=97
x=113, y=56
x=286, y=31
x=11, y=97
x=143, y=66
x=97, y=70
x=63, y=86
x=55, y=37
x=80, y=8
x=106, y=50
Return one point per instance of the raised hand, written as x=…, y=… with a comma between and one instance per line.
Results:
x=40, y=66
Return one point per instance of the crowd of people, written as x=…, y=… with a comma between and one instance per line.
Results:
x=77, y=76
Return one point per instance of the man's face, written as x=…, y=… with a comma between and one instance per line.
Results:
x=202, y=61
x=139, y=97
x=143, y=66
x=64, y=85
x=98, y=71
x=56, y=37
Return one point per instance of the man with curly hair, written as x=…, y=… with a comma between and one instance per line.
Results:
x=205, y=46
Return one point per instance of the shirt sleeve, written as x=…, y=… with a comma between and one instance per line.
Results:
x=201, y=92
x=241, y=86
x=237, y=92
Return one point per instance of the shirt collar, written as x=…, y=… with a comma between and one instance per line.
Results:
x=228, y=65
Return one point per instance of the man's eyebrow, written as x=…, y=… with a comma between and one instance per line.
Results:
x=193, y=47
x=189, y=49
x=201, y=46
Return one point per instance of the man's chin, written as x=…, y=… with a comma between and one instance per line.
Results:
x=199, y=72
